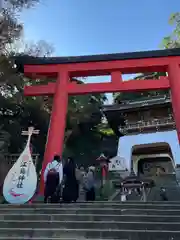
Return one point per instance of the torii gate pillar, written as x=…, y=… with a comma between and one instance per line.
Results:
x=57, y=125
x=174, y=80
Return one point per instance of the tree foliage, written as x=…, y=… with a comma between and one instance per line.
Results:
x=173, y=40
x=10, y=29
x=19, y=4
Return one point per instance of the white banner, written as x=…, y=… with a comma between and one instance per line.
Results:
x=21, y=181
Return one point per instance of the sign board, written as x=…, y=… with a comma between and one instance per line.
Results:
x=21, y=181
x=117, y=164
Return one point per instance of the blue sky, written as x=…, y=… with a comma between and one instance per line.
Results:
x=82, y=27
x=78, y=27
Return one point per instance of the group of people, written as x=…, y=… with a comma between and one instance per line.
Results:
x=63, y=182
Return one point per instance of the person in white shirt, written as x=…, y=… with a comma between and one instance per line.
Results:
x=53, y=176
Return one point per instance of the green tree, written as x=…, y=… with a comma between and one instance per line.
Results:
x=173, y=40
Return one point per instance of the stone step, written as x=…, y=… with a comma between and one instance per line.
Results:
x=95, y=204
x=90, y=234
x=92, y=211
x=172, y=194
x=90, y=217
x=98, y=203
x=103, y=225
x=142, y=205
x=50, y=238
x=87, y=206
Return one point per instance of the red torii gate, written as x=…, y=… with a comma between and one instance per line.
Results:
x=64, y=68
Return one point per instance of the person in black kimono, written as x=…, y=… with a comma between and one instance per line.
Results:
x=71, y=185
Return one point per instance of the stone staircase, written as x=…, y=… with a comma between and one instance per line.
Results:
x=167, y=181
x=172, y=188
x=99, y=220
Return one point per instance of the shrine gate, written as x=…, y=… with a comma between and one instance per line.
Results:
x=64, y=68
